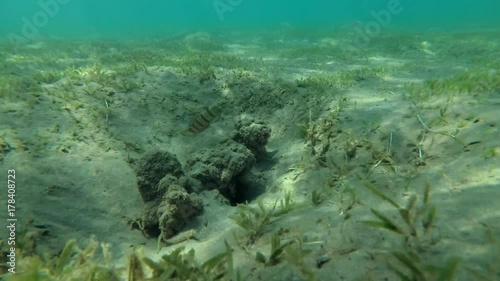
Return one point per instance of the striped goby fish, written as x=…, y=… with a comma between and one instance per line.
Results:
x=202, y=121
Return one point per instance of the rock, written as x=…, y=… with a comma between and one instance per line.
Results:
x=153, y=167
x=220, y=167
x=253, y=134
x=176, y=209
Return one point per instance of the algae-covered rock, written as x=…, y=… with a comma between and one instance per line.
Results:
x=221, y=167
x=168, y=194
x=151, y=169
x=253, y=134
x=176, y=209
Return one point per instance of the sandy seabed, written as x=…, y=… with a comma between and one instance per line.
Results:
x=383, y=159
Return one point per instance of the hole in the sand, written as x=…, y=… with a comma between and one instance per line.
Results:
x=244, y=192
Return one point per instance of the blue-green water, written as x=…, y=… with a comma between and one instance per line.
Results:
x=79, y=18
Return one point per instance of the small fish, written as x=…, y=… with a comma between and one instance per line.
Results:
x=202, y=121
